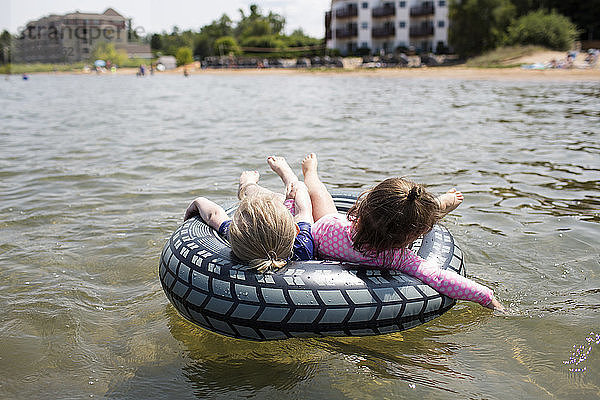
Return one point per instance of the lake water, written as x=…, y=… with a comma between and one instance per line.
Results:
x=96, y=172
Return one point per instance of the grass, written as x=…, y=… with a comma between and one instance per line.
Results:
x=38, y=67
x=42, y=67
x=503, y=57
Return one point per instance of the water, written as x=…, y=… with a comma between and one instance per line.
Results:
x=95, y=173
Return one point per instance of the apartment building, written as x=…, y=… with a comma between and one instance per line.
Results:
x=72, y=37
x=384, y=26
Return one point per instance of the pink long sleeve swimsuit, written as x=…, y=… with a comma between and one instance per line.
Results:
x=333, y=240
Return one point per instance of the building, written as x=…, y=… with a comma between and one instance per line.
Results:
x=169, y=62
x=135, y=50
x=72, y=37
x=380, y=26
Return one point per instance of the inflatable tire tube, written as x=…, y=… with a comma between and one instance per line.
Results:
x=202, y=279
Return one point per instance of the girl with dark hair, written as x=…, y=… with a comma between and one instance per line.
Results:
x=379, y=227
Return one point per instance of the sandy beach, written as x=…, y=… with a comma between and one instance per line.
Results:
x=454, y=72
x=457, y=72
x=579, y=72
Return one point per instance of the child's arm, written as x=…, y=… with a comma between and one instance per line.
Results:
x=299, y=192
x=449, y=282
x=211, y=213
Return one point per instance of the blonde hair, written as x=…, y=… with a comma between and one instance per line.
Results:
x=262, y=233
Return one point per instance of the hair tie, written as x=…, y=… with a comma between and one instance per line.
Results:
x=414, y=193
x=272, y=256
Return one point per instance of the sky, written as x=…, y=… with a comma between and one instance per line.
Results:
x=156, y=16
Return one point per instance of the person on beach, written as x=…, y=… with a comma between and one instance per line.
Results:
x=268, y=228
x=380, y=226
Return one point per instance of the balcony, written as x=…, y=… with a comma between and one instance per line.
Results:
x=424, y=9
x=383, y=31
x=351, y=10
x=387, y=10
x=421, y=31
x=347, y=32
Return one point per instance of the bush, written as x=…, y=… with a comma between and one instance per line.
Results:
x=226, y=45
x=266, y=41
x=541, y=28
x=107, y=52
x=184, y=56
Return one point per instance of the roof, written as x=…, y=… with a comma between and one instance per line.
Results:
x=109, y=14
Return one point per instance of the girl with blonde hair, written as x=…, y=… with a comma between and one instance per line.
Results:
x=268, y=228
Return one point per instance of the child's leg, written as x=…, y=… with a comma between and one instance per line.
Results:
x=280, y=166
x=322, y=202
x=249, y=186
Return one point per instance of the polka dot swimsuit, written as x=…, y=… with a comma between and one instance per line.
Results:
x=333, y=239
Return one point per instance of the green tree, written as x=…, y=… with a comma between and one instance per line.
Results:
x=545, y=29
x=205, y=40
x=257, y=24
x=478, y=25
x=107, y=52
x=299, y=38
x=184, y=56
x=5, y=46
x=156, y=42
x=227, y=45
x=265, y=41
x=584, y=14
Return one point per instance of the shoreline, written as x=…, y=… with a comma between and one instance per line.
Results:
x=453, y=72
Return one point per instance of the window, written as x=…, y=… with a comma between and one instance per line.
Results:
x=402, y=4
x=364, y=25
x=441, y=24
x=365, y=5
x=442, y=3
x=402, y=24
x=364, y=45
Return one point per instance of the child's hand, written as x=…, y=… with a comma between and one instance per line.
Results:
x=496, y=306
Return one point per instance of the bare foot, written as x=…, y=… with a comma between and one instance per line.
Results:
x=280, y=166
x=247, y=178
x=450, y=200
x=309, y=164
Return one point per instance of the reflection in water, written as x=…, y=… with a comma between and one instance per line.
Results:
x=219, y=364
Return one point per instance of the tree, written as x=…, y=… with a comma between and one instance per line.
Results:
x=107, y=52
x=257, y=24
x=205, y=40
x=478, y=25
x=156, y=42
x=227, y=45
x=584, y=14
x=545, y=29
x=5, y=46
x=299, y=38
x=264, y=41
x=184, y=56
